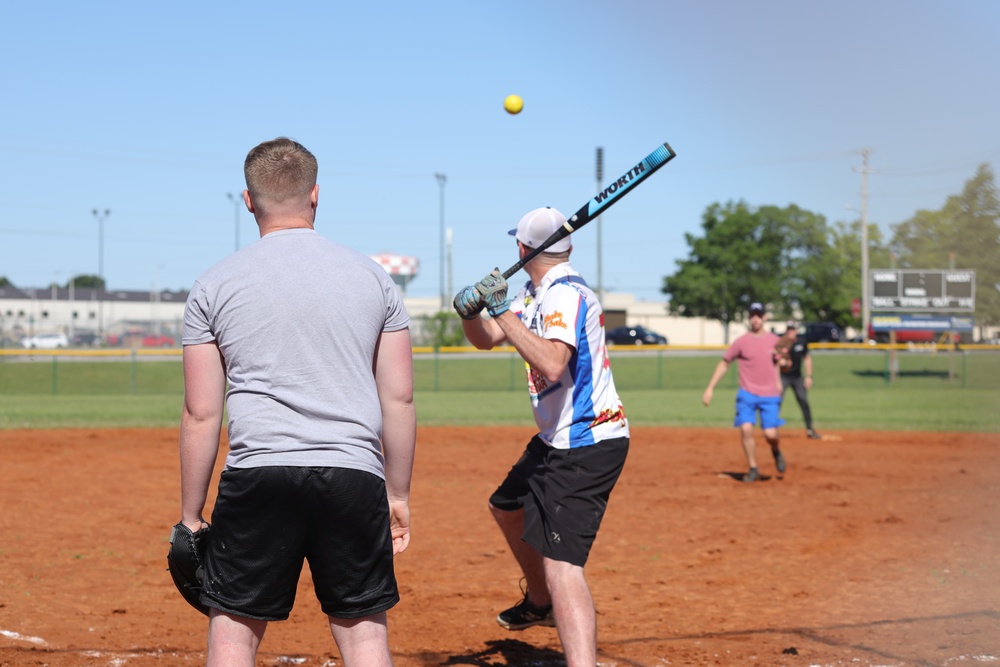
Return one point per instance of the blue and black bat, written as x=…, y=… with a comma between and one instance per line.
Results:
x=603, y=201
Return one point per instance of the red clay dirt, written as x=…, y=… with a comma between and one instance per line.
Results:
x=872, y=549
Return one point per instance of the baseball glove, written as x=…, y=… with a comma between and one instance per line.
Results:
x=782, y=352
x=185, y=560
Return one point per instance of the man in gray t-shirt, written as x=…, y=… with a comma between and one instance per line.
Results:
x=305, y=344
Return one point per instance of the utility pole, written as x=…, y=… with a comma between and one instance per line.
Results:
x=442, y=179
x=600, y=271
x=865, y=297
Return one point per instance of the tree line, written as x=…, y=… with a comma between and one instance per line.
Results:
x=800, y=265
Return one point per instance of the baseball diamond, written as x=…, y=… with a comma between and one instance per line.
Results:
x=876, y=548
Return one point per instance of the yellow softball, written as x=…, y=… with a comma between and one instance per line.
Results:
x=513, y=104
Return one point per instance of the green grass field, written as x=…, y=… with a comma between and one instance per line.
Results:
x=931, y=391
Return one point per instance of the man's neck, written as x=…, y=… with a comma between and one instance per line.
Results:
x=538, y=267
x=280, y=224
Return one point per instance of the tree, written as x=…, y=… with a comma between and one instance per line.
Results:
x=86, y=281
x=810, y=268
x=442, y=329
x=844, y=275
x=780, y=256
x=964, y=234
x=4, y=282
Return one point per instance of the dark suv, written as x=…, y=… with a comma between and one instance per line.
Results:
x=85, y=339
x=635, y=336
x=820, y=332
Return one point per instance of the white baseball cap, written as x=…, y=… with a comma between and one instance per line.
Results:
x=538, y=225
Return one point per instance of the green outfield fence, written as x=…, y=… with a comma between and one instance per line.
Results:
x=159, y=372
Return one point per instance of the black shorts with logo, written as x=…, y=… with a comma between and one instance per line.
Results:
x=268, y=520
x=564, y=493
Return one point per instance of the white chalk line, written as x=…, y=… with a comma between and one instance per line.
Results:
x=10, y=634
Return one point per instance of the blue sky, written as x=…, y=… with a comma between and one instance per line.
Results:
x=149, y=109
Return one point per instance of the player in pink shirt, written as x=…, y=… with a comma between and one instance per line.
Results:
x=760, y=389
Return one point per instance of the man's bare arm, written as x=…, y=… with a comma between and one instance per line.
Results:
x=201, y=423
x=393, y=369
x=720, y=370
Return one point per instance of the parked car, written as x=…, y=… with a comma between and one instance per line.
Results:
x=820, y=332
x=635, y=336
x=910, y=336
x=138, y=338
x=46, y=341
x=85, y=339
x=157, y=340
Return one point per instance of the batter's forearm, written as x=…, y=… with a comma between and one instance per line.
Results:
x=548, y=357
x=482, y=333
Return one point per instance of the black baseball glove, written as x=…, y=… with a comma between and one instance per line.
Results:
x=186, y=562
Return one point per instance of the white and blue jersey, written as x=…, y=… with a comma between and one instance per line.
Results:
x=582, y=407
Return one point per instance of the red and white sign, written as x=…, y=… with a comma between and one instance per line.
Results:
x=398, y=265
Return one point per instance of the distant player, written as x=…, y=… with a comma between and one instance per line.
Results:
x=799, y=359
x=759, y=392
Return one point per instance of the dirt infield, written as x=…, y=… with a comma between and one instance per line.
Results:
x=873, y=549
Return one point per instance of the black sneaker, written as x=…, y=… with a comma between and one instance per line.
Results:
x=813, y=435
x=751, y=476
x=779, y=461
x=525, y=615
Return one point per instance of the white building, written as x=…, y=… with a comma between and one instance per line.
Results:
x=26, y=312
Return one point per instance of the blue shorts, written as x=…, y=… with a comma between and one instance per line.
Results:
x=748, y=405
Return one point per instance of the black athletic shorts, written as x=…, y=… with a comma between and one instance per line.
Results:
x=564, y=493
x=268, y=520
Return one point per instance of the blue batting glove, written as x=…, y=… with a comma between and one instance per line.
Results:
x=493, y=289
x=468, y=303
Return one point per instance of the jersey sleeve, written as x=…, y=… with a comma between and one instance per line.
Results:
x=559, y=312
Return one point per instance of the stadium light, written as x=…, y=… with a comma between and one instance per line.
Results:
x=101, y=217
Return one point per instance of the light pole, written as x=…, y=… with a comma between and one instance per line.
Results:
x=101, y=217
x=442, y=179
x=236, y=216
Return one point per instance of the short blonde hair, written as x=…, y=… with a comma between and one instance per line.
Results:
x=280, y=170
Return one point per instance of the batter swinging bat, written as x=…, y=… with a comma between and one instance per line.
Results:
x=602, y=201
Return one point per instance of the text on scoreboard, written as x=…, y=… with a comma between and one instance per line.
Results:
x=917, y=290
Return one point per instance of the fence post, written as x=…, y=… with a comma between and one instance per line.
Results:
x=965, y=358
x=659, y=368
x=55, y=374
x=135, y=362
x=437, y=354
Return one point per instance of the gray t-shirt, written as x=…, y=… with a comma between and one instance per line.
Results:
x=297, y=318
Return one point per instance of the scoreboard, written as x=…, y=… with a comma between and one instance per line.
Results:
x=923, y=291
